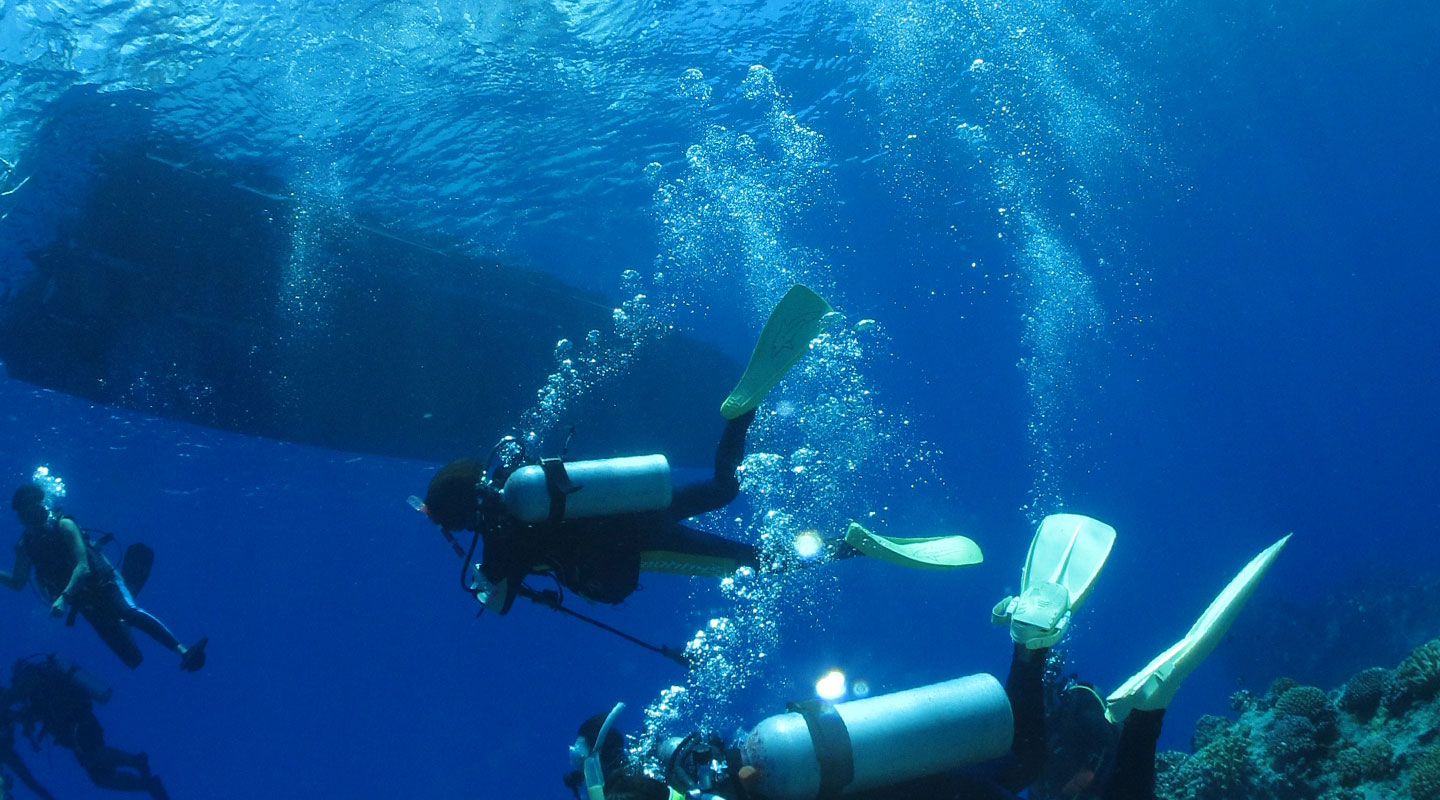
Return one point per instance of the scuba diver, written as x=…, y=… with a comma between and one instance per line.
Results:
x=963, y=739
x=69, y=569
x=51, y=697
x=11, y=759
x=594, y=526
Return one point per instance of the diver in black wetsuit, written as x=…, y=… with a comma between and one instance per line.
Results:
x=888, y=750
x=68, y=569
x=50, y=698
x=601, y=557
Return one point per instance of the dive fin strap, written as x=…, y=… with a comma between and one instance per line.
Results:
x=1037, y=618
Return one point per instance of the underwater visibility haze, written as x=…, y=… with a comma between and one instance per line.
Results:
x=265, y=266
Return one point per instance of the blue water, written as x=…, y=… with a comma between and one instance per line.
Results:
x=1171, y=266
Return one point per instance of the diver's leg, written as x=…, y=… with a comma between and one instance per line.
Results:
x=104, y=764
x=719, y=490
x=107, y=775
x=731, y=449
x=141, y=619
x=680, y=549
x=106, y=621
x=1134, y=777
x=1024, y=687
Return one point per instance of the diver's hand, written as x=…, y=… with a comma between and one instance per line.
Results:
x=58, y=607
x=493, y=595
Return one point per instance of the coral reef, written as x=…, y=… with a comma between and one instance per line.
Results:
x=1378, y=738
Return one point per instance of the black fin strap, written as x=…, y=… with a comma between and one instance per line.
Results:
x=832, y=746
x=559, y=486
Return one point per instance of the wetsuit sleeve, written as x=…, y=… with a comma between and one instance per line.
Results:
x=509, y=556
x=19, y=574
x=11, y=759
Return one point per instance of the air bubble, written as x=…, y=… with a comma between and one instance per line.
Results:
x=692, y=86
x=759, y=83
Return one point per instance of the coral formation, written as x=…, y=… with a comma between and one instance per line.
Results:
x=1425, y=776
x=1278, y=688
x=1293, y=744
x=1221, y=769
x=1206, y=729
x=1305, y=701
x=1371, y=760
x=1243, y=701
x=1416, y=679
x=1363, y=693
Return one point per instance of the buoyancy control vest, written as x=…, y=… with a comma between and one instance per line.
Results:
x=52, y=560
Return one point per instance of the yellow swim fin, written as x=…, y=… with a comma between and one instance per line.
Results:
x=1068, y=549
x=797, y=318
x=1064, y=560
x=1154, y=686
x=926, y=552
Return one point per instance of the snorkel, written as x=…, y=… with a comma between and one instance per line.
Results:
x=594, y=772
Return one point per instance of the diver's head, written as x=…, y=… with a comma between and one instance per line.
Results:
x=453, y=499
x=28, y=503
x=612, y=752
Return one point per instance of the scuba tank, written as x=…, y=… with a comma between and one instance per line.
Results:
x=98, y=690
x=820, y=750
x=554, y=489
x=33, y=673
